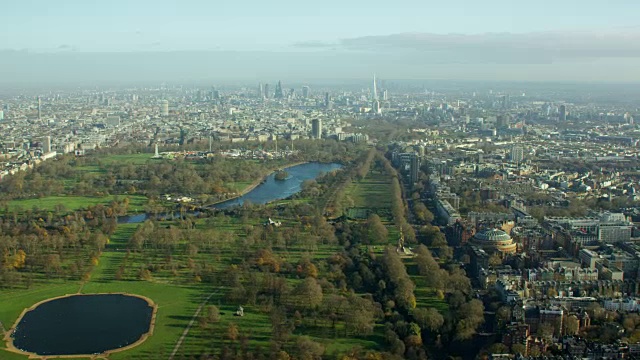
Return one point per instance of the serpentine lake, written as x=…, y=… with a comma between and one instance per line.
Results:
x=269, y=190
x=272, y=189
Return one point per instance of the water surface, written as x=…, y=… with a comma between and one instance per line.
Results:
x=83, y=324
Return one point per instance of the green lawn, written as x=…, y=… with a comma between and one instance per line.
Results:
x=136, y=202
x=371, y=192
x=135, y=159
x=238, y=186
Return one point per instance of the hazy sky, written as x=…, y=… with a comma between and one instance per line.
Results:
x=600, y=39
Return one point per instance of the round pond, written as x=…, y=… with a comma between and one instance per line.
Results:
x=83, y=324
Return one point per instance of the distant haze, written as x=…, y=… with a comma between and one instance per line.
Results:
x=35, y=68
x=78, y=41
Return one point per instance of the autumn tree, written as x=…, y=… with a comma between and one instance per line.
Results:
x=308, y=293
x=428, y=318
x=308, y=349
x=376, y=231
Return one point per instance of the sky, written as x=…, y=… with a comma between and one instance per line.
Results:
x=565, y=40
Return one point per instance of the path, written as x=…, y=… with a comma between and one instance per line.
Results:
x=186, y=330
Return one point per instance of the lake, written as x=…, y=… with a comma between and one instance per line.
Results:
x=83, y=324
x=272, y=189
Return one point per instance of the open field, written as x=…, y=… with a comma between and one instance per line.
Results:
x=372, y=191
x=134, y=159
x=71, y=203
x=371, y=194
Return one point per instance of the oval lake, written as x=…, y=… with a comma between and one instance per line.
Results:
x=83, y=324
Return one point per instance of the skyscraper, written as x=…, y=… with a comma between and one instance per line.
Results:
x=414, y=167
x=305, y=92
x=316, y=128
x=266, y=91
x=47, y=145
x=279, y=94
x=260, y=91
x=39, y=107
x=517, y=154
x=375, y=88
x=562, y=113
x=164, y=108
x=375, y=104
x=327, y=100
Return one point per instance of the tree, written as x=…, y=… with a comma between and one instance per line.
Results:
x=309, y=293
x=429, y=318
x=519, y=349
x=495, y=260
x=359, y=316
x=572, y=325
x=308, y=349
x=233, y=332
x=498, y=348
x=470, y=316
x=376, y=231
x=213, y=314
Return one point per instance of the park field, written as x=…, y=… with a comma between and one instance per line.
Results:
x=134, y=159
x=372, y=194
x=72, y=203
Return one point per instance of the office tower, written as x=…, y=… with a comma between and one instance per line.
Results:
x=39, y=107
x=502, y=121
x=47, y=145
x=375, y=88
x=505, y=101
x=260, y=91
x=164, y=108
x=327, y=100
x=385, y=95
x=305, y=92
x=316, y=128
x=414, y=167
x=266, y=91
x=1, y=115
x=279, y=94
x=517, y=154
x=562, y=113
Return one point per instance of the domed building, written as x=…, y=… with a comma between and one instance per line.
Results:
x=494, y=240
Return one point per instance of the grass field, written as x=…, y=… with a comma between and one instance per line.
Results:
x=239, y=186
x=136, y=202
x=135, y=159
x=371, y=192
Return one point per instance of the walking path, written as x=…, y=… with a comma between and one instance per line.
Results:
x=186, y=330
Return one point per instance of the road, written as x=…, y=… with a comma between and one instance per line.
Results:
x=186, y=330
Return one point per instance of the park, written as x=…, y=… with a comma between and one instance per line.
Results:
x=293, y=280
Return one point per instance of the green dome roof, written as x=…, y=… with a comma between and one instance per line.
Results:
x=492, y=235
